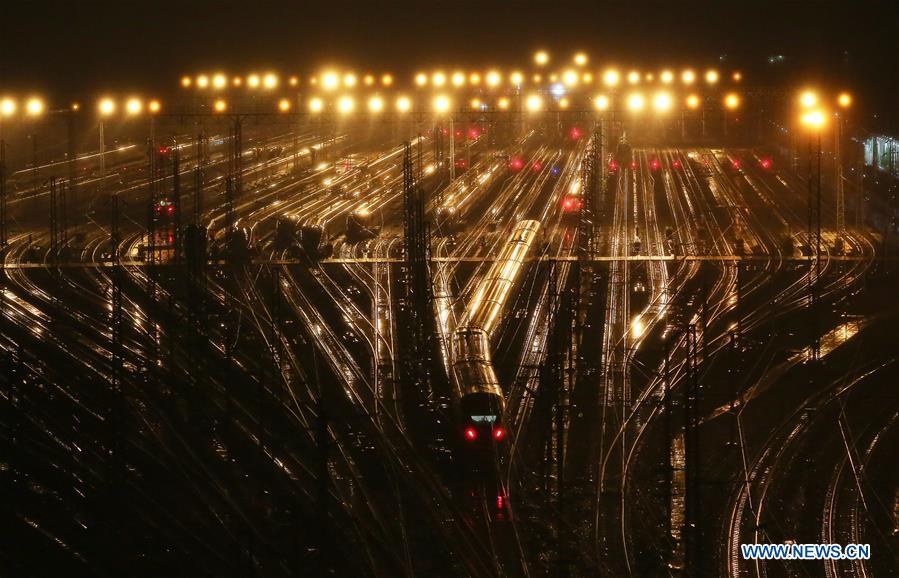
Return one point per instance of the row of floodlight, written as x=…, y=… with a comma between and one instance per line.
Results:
x=332, y=80
x=635, y=101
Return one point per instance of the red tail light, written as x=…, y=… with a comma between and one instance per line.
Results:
x=499, y=434
x=471, y=434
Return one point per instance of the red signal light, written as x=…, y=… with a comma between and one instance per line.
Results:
x=676, y=164
x=474, y=133
x=537, y=166
x=633, y=164
x=654, y=163
x=613, y=166
x=471, y=434
x=164, y=150
x=572, y=204
x=735, y=164
x=574, y=133
x=766, y=163
x=516, y=163
x=170, y=209
x=499, y=434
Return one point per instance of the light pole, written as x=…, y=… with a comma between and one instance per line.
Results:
x=693, y=102
x=814, y=120
x=35, y=109
x=731, y=102
x=106, y=107
x=7, y=109
x=844, y=101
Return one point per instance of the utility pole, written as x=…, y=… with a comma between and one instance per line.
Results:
x=452, y=150
x=198, y=180
x=838, y=176
x=237, y=157
x=102, y=150
x=417, y=321
x=816, y=353
x=72, y=152
x=814, y=240
x=54, y=223
x=116, y=314
x=692, y=533
x=3, y=230
x=176, y=201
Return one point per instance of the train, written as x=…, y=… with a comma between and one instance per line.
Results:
x=480, y=397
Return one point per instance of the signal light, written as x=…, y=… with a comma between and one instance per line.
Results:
x=633, y=164
x=735, y=164
x=613, y=166
x=537, y=166
x=474, y=133
x=471, y=434
x=516, y=163
x=676, y=164
x=574, y=133
x=170, y=209
x=164, y=150
x=572, y=204
x=499, y=433
x=654, y=164
x=766, y=163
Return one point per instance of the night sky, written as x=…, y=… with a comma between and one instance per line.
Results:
x=72, y=48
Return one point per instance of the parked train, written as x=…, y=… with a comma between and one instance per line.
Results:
x=480, y=407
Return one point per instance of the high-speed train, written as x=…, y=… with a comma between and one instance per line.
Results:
x=479, y=393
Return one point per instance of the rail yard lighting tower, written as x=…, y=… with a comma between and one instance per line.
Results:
x=731, y=103
x=844, y=102
x=106, y=107
x=814, y=120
